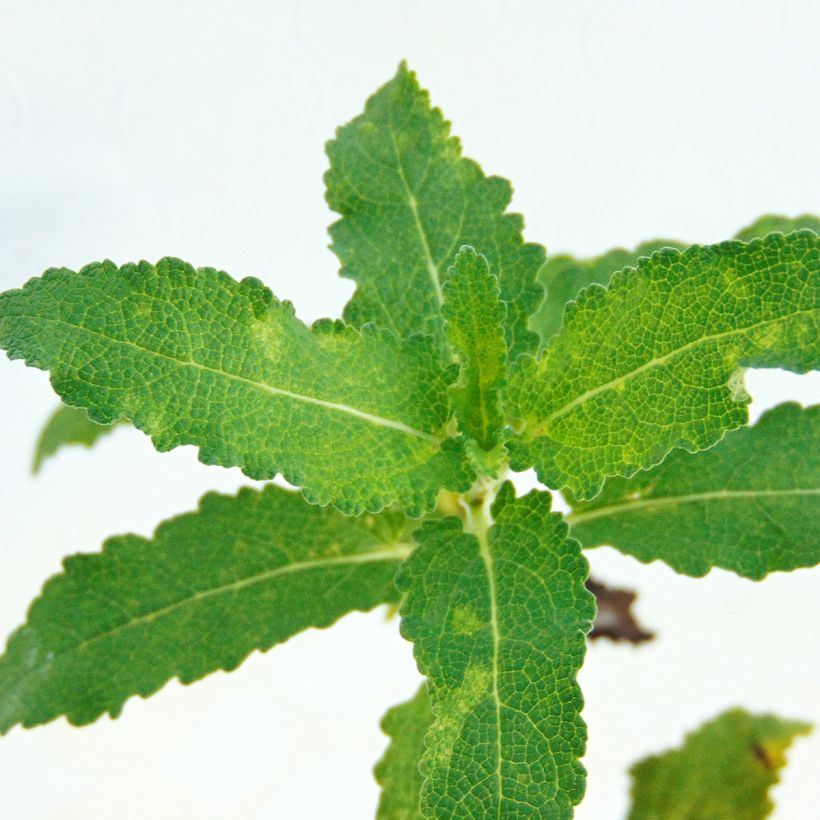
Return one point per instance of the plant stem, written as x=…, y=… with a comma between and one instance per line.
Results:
x=477, y=502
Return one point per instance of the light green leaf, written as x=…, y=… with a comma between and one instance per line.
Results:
x=750, y=504
x=398, y=771
x=564, y=277
x=776, y=222
x=408, y=201
x=723, y=771
x=654, y=361
x=353, y=417
x=498, y=619
x=475, y=315
x=244, y=572
x=66, y=425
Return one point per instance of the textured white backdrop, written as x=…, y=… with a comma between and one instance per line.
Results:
x=137, y=129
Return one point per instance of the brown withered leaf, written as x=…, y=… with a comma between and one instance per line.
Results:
x=614, y=619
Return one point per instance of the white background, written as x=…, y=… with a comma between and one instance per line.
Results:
x=136, y=129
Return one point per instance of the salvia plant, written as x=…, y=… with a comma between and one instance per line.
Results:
x=463, y=354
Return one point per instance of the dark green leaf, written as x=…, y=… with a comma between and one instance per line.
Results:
x=408, y=201
x=242, y=573
x=499, y=619
x=750, y=504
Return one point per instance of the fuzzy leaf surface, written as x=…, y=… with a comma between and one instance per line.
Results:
x=655, y=361
x=564, y=277
x=750, y=504
x=407, y=724
x=409, y=200
x=398, y=771
x=66, y=426
x=499, y=623
x=474, y=314
x=353, y=417
x=723, y=771
x=242, y=573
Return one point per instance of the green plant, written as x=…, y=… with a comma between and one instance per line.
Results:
x=448, y=370
x=723, y=771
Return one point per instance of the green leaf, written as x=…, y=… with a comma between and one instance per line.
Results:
x=498, y=618
x=408, y=201
x=244, y=572
x=474, y=314
x=750, y=504
x=776, y=222
x=353, y=417
x=67, y=425
x=654, y=361
x=564, y=277
x=723, y=771
x=398, y=771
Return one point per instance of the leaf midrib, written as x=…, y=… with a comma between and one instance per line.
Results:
x=628, y=506
x=412, y=204
x=487, y=559
x=656, y=362
x=380, y=421
x=397, y=552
